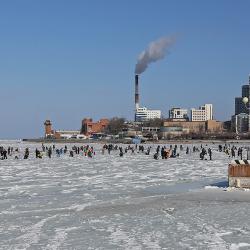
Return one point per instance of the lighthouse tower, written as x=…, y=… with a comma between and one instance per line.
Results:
x=48, y=128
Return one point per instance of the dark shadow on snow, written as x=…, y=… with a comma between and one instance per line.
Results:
x=220, y=184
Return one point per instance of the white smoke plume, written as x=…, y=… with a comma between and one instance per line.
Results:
x=154, y=52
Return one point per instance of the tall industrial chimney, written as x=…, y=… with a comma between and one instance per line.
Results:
x=136, y=92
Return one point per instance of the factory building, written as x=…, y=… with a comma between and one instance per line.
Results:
x=178, y=113
x=89, y=127
x=144, y=114
x=204, y=113
x=69, y=134
x=209, y=126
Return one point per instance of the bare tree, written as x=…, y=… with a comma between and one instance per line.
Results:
x=115, y=125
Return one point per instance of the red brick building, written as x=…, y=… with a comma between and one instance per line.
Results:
x=90, y=127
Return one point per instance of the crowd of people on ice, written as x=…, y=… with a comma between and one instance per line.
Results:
x=163, y=152
x=233, y=151
x=48, y=151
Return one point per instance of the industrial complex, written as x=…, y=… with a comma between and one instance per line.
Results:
x=180, y=123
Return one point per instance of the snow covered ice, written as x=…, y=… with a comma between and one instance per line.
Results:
x=112, y=202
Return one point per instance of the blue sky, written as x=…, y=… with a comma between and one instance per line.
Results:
x=66, y=60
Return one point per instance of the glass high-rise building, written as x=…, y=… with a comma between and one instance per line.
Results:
x=240, y=107
x=241, y=119
x=245, y=90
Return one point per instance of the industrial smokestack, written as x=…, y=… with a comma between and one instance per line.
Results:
x=136, y=92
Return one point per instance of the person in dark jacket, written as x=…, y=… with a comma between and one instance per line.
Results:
x=26, y=153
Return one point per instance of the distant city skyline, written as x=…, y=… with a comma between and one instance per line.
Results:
x=64, y=60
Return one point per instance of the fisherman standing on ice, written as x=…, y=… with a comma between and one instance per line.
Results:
x=121, y=151
x=37, y=153
x=210, y=153
x=4, y=154
x=248, y=153
x=49, y=152
x=26, y=153
x=162, y=152
x=232, y=152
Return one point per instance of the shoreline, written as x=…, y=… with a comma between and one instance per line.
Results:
x=125, y=141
